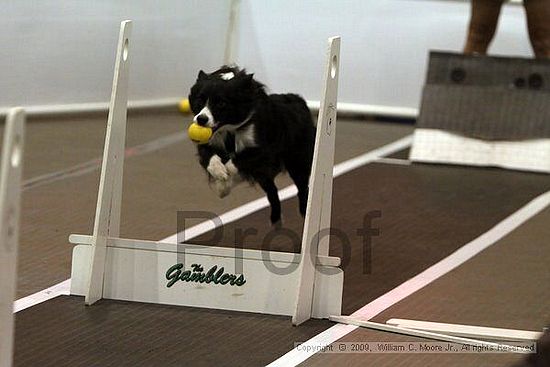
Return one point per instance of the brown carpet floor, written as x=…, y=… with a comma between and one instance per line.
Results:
x=427, y=212
x=507, y=286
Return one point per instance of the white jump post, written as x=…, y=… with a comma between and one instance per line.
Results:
x=314, y=241
x=10, y=192
x=106, y=266
x=107, y=217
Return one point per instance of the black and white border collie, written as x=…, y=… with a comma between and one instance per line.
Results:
x=255, y=135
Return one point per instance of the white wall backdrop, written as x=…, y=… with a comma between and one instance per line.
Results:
x=384, y=50
x=62, y=52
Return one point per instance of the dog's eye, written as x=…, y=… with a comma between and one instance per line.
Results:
x=195, y=104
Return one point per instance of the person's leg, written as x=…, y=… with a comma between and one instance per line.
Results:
x=538, y=23
x=483, y=24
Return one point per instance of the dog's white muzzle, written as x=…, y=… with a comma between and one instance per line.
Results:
x=205, y=118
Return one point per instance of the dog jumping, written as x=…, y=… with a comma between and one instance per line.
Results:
x=255, y=137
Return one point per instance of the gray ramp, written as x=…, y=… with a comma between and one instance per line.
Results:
x=481, y=110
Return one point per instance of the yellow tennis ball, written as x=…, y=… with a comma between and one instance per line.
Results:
x=199, y=134
x=184, y=106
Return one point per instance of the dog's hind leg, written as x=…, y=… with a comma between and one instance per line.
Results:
x=298, y=166
x=300, y=176
x=272, y=193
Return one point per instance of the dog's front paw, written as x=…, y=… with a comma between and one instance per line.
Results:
x=234, y=174
x=222, y=187
x=217, y=169
x=231, y=169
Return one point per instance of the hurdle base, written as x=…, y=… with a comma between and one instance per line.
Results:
x=468, y=331
x=137, y=270
x=359, y=322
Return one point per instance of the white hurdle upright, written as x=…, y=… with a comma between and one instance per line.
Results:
x=107, y=216
x=106, y=266
x=10, y=192
x=314, y=241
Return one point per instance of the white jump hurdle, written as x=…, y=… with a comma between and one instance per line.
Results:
x=10, y=191
x=106, y=266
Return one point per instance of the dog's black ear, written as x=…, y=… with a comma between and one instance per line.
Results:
x=201, y=75
x=247, y=79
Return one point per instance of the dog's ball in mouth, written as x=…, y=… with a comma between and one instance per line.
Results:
x=199, y=134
